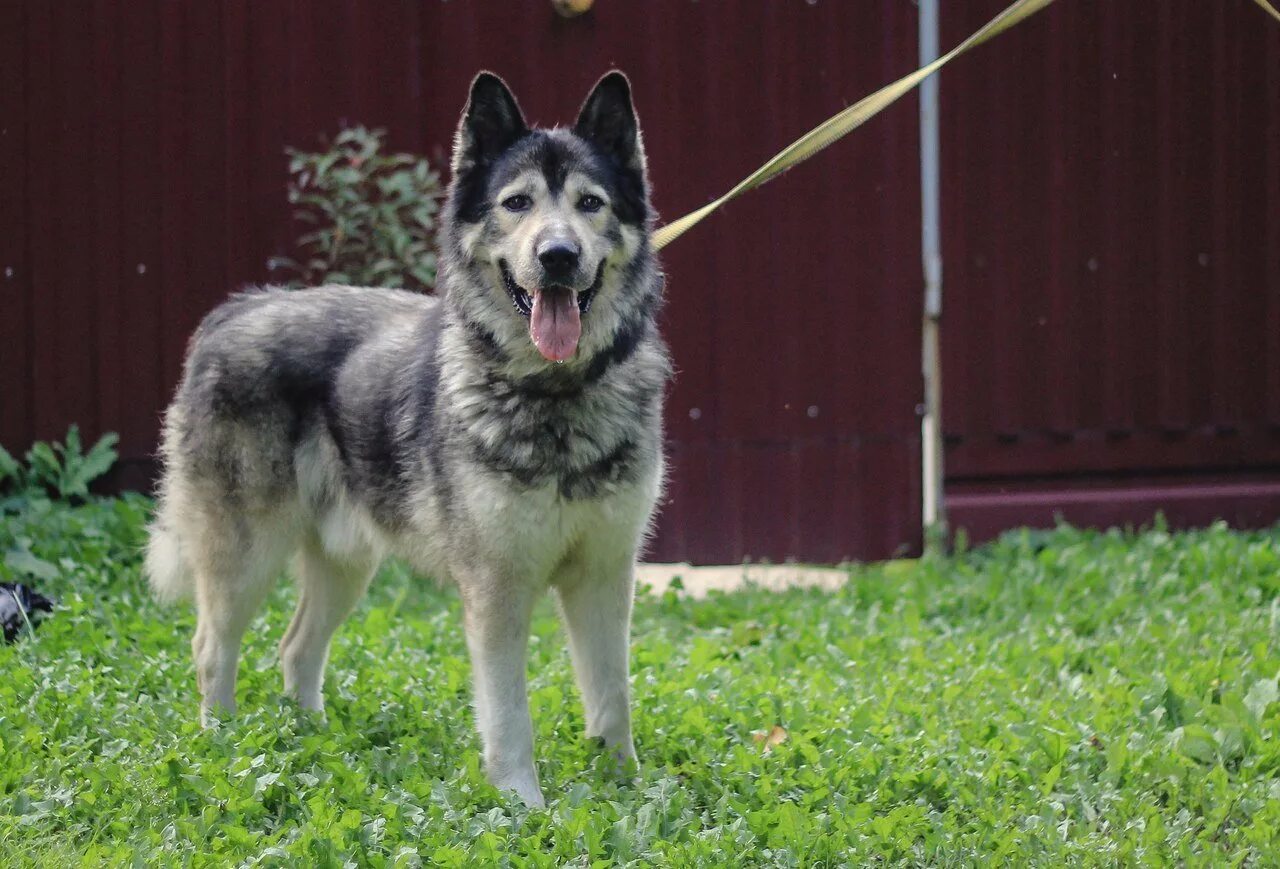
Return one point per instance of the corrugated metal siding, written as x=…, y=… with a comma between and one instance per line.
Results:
x=1111, y=228
x=15, y=392
x=1111, y=205
x=144, y=142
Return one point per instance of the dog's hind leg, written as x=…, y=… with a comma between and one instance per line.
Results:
x=595, y=596
x=328, y=590
x=233, y=573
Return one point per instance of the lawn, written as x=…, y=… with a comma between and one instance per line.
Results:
x=1054, y=698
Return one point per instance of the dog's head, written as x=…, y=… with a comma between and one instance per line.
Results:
x=546, y=227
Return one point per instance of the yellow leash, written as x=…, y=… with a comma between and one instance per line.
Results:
x=858, y=114
x=1268, y=8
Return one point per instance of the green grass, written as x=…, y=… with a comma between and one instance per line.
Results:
x=1056, y=698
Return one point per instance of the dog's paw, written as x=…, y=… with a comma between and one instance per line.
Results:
x=618, y=760
x=308, y=716
x=523, y=785
x=532, y=798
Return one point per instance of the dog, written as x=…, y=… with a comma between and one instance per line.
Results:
x=504, y=436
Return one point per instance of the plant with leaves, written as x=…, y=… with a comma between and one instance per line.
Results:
x=1053, y=698
x=63, y=471
x=374, y=216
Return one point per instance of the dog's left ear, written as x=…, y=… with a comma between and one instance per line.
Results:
x=608, y=119
x=491, y=123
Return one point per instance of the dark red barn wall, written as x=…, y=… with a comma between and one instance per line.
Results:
x=1111, y=226
x=1089, y=159
x=144, y=145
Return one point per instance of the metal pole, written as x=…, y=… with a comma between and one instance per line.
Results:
x=934, y=513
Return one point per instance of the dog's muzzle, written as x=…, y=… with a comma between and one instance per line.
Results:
x=523, y=299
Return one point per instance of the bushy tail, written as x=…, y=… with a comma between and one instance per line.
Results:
x=166, y=567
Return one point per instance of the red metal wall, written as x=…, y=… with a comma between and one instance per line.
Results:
x=1111, y=190
x=143, y=144
x=1111, y=226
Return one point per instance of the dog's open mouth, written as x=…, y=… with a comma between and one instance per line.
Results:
x=555, y=313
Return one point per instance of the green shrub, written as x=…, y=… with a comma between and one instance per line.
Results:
x=373, y=215
x=62, y=471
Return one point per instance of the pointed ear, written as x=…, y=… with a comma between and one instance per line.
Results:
x=608, y=119
x=491, y=123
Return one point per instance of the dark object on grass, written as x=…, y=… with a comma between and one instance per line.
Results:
x=18, y=606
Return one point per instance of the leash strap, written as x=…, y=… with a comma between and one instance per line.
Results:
x=859, y=113
x=1268, y=8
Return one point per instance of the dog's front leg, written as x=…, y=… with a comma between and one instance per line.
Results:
x=497, y=615
x=595, y=602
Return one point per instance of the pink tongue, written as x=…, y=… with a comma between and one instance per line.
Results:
x=555, y=325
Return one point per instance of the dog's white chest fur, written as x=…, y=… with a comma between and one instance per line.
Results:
x=526, y=532
x=542, y=527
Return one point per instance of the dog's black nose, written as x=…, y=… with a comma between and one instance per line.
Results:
x=559, y=259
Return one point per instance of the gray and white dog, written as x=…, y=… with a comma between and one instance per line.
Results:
x=505, y=437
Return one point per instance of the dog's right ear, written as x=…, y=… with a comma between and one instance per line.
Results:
x=608, y=118
x=491, y=123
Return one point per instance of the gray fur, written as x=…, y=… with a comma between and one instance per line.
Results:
x=349, y=423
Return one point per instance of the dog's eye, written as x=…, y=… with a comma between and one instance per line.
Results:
x=590, y=203
x=517, y=203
